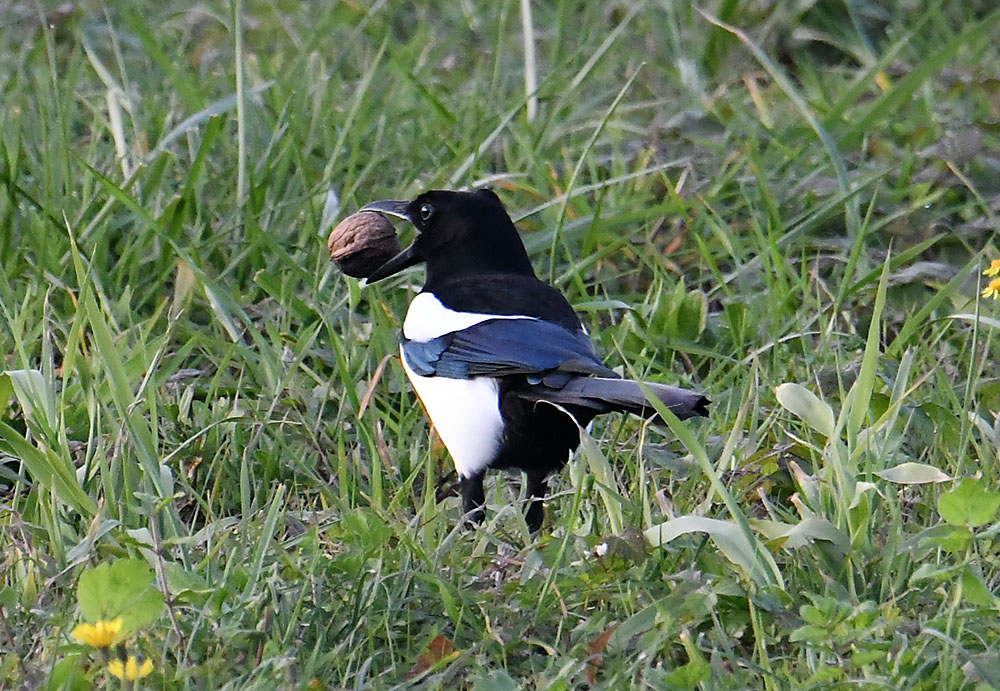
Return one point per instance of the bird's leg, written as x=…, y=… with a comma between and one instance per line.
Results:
x=473, y=498
x=536, y=490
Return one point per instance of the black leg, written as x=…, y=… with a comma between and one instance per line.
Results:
x=536, y=490
x=473, y=499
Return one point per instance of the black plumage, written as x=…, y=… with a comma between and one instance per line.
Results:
x=512, y=329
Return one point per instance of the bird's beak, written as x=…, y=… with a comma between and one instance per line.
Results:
x=405, y=259
x=390, y=207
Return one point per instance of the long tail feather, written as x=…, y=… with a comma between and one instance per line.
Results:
x=604, y=395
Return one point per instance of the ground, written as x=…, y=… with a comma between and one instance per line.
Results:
x=204, y=431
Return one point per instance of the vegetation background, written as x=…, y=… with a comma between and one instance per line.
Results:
x=787, y=205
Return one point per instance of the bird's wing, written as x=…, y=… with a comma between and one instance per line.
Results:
x=501, y=347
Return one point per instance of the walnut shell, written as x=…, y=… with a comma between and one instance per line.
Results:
x=363, y=242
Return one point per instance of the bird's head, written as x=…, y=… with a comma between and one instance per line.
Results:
x=456, y=233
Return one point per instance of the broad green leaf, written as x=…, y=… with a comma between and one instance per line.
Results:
x=805, y=405
x=809, y=633
x=728, y=537
x=984, y=670
x=913, y=474
x=956, y=542
x=969, y=503
x=181, y=581
x=808, y=484
x=689, y=676
x=692, y=315
x=832, y=541
x=803, y=533
x=947, y=537
x=975, y=591
x=933, y=572
x=122, y=589
x=859, y=492
x=496, y=680
x=68, y=674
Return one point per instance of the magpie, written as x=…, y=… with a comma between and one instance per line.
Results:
x=499, y=359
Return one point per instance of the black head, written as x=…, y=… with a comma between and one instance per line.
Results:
x=457, y=233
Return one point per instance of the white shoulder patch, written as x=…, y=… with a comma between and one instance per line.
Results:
x=427, y=318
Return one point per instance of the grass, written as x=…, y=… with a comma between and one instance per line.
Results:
x=785, y=205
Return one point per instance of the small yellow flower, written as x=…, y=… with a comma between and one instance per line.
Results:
x=130, y=669
x=992, y=289
x=994, y=268
x=100, y=635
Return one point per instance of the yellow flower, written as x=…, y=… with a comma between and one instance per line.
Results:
x=992, y=289
x=994, y=268
x=130, y=669
x=100, y=635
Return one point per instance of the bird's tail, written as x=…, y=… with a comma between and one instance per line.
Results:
x=603, y=395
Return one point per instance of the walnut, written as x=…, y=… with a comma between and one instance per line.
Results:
x=363, y=242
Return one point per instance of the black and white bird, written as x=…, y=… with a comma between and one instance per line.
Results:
x=497, y=356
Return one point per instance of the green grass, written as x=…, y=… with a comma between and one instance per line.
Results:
x=786, y=205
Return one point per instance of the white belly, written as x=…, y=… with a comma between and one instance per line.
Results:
x=466, y=415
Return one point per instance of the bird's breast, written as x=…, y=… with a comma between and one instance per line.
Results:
x=466, y=415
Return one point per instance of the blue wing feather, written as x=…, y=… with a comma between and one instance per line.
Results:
x=422, y=357
x=501, y=347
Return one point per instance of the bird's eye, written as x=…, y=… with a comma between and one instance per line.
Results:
x=426, y=211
